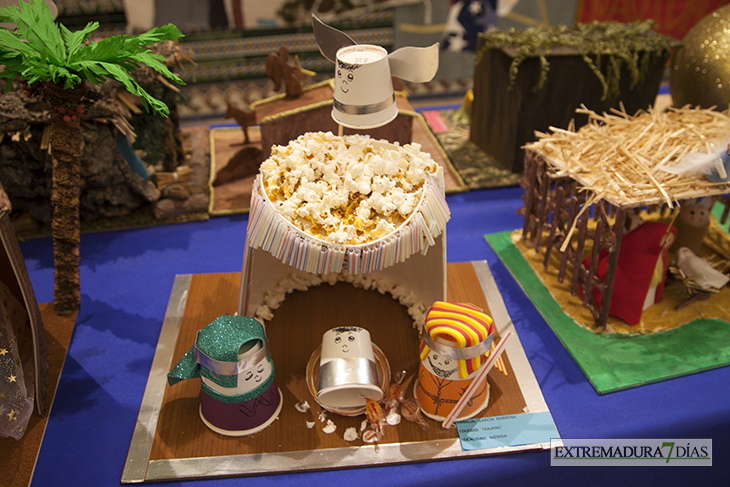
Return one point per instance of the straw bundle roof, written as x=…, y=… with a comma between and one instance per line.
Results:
x=616, y=155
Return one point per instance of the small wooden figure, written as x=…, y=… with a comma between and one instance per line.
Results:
x=244, y=118
x=279, y=70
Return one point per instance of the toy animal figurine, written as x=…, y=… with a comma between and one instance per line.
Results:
x=364, y=96
x=243, y=164
x=238, y=392
x=279, y=70
x=244, y=118
x=692, y=224
x=700, y=271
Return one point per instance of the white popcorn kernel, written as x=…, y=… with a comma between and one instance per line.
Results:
x=302, y=407
x=350, y=434
x=330, y=427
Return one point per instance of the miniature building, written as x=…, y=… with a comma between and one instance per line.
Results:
x=283, y=119
x=569, y=209
x=515, y=94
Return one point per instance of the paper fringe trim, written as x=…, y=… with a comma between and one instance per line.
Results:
x=270, y=231
x=301, y=282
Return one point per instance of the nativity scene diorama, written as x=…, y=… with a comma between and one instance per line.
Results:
x=347, y=211
x=340, y=213
x=329, y=208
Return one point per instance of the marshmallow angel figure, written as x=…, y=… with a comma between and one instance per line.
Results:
x=364, y=97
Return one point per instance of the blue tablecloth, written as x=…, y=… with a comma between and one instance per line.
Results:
x=126, y=278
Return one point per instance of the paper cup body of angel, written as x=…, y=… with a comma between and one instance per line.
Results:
x=364, y=97
x=455, y=341
x=239, y=395
x=348, y=373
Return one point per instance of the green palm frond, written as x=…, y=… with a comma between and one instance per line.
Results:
x=41, y=50
x=74, y=40
x=35, y=21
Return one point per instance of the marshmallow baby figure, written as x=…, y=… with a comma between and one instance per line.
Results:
x=347, y=369
x=364, y=96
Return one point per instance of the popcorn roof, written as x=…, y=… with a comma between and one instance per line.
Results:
x=324, y=204
x=345, y=190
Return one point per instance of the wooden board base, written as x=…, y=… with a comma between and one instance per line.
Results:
x=183, y=447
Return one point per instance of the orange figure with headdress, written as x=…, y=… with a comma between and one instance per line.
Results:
x=455, y=342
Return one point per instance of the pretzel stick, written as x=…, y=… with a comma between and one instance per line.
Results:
x=481, y=375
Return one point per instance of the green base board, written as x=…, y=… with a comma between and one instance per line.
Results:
x=616, y=362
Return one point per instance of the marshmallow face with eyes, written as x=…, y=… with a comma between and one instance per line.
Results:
x=363, y=87
x=347, y=342
x=249, y=379
x=253, y=377
x=442, y=367
x=347, y=369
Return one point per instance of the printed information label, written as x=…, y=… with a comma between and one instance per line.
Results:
x=509, y=430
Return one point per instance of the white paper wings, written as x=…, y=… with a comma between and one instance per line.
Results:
x=415, y=64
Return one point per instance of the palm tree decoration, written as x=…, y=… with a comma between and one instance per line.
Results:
x=53, y=62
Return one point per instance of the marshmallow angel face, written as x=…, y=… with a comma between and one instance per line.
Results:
x=363, y=95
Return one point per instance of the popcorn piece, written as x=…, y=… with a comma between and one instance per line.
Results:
x=302, y=407
x=350, y=434
x=330, y=427
x=393, y=418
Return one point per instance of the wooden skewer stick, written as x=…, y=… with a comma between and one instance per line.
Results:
x=481, y=375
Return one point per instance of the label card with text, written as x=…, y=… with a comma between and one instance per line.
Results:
x=508, y=430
